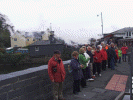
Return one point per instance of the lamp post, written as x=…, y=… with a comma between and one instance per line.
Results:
x=101, y=22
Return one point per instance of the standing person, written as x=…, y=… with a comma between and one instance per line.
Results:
x=76, y=72
x=97, y=60
x=102, y=43
x=120, y=55
x=57, y=74
x=112, y=56
x=124, y=52
x=83, y=61
x=110, y=41
x=104, y=57
x=91, y=62
x=117, y=57
x=108, y=56
x=88, y=68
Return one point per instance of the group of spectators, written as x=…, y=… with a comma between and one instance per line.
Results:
x=91, y=60
x=84, y=66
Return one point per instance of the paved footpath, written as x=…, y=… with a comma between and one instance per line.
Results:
x=104, y=88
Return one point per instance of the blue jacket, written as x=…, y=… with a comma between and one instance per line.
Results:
x=76, y=69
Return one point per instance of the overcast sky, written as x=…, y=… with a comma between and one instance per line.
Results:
x=71, y=19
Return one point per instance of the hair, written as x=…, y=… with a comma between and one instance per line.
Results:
x=81, y=50
x=75, y=53
x=103, y=46
x=57, y=52
x=83, y=46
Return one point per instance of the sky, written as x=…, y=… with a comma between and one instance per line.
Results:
x=75, y=20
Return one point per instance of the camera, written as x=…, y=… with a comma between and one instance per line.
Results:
x=55, y=69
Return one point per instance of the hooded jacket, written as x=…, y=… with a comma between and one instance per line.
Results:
x=58, y=76
x=104, y=54
x=124, y=50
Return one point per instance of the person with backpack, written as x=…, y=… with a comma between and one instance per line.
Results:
x=124, y=52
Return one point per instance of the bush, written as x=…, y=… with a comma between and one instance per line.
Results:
x=2, y=50
x=11, y=58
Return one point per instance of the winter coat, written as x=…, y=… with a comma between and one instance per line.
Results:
x=97, y=57
x=124, y=50
x=104, y=54
x=91, y=56
x=76, y=69
x=83, y=60
x=58, y=76
x=116, y=51
x=119, y=53
x=111, y=53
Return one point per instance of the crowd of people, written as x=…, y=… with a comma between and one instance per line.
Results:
x=88, y=63
x=85, y=65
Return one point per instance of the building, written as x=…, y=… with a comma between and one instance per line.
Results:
x=123, y=33
x=45, y=47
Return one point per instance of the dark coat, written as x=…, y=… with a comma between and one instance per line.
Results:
x=76, y=69
x=111, y=53
x=91, y=56
x=58, y=76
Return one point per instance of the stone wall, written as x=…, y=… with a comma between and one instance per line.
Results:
x=30, y=84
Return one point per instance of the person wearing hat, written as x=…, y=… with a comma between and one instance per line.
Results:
x=57, y=74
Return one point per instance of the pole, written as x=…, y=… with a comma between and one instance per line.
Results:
x=102, y=23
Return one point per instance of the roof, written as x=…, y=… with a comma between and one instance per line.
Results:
x=123, y=30
x=43, y=42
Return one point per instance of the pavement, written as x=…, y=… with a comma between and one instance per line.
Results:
x=97, y=90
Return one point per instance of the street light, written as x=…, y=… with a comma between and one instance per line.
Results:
x=101, y=22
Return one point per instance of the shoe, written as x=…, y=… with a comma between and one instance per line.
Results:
x=91, y=79
x=100, y=75
x=76, y=93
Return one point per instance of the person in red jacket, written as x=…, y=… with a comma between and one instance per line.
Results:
x=104, y=57
x=57, y=74
x=117, y=57
x=124, y=52
x=97, y=61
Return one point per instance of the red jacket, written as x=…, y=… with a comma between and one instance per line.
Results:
x=117, y=54
x=124, y=50
x=97, y=57
x=58, y=76
x=104, y=54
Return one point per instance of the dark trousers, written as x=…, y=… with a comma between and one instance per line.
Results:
x=88, y=69
x=98, y=67
x=119, y=60
x=83, y=80
x=109, y=63
x=94, y=69
x=124, y=57
x=85, y=72
x=76, y=86
x=104, y=65
x=112, y=63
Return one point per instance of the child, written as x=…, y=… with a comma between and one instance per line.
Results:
x=120, y=55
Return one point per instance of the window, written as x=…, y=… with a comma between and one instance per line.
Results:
x=27, y=39
x=15, y=45
x=15, y=39
x=129, y=33
x=36, y=48
x=33, y=39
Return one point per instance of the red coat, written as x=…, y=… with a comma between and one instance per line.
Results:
x=58, y=76
x=97, y=57
x=104, y=54
x=116, y=51
x=124, y=50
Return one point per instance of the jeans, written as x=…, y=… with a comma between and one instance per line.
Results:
x=124, y=57
x=112, y=63
x=98, y=68
x=104, y=65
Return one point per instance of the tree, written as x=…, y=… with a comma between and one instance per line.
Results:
x=5, y=31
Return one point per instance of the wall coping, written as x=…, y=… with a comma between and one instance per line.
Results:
x=26, y=71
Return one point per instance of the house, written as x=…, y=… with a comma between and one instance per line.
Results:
x=18, y=40
x=22, y=39
x=45, y=47
x=123, y=33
